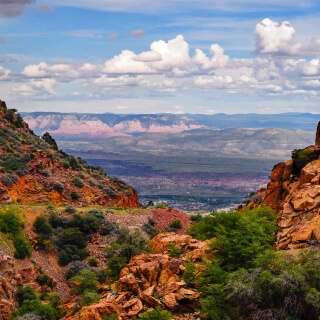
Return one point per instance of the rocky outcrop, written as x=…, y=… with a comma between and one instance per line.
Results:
x=317, y=143
x=151, y=280
x=294, y=192
x=12, y=275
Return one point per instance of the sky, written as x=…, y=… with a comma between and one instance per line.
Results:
x=160, y=56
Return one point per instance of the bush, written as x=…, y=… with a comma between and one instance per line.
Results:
x=45, y=311
x=161, y=205
x=109, y=190
x=9, y=179
x=156, y=314
x=87, y=223
x=150, y=230
x=128, y=244
x=89, y=297
x=189, y=275
x=86, y=281
x=10, y=221
x=72, y=236
x=93, y=262
x=63, y=258
x=301, y=157
x=74, y=196
x=77, y=182
x=252, y=234
x=25, y=293
x=42, y=226
x=12, y=162
x=44, y=279
x=58, y=186
x=176, y=224
x=55, y=220
x=70, y=209
x=22, y=246
x=74, y=268
x=173, y=250
x=73, y=163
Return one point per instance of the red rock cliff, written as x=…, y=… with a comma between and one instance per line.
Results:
x=294, y=192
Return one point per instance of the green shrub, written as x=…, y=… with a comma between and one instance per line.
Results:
x=74, y=268
x=42, y=226
x=176, y=224
x=47, y=138
x=44, y=279
x=54, y=219
x=156, y=314
x=89, y=297
x=189, y=275
x=150, y=230
x=12, y=162
x=74, y=163
x=63, y=258
x=45, y=311
x=25, y=293
x=252, y=234
x=10, y=221
x=77, y=182
x=22, y=246
x=72, y=236
x=103, y=275
x=128, y=244
x=161, y=205
x=196, y=217
x=301, y=157
x=93, y=262
x=173, y=250
x=87, y=223
x=115, y=264
x=86, y=281
x=74, y=195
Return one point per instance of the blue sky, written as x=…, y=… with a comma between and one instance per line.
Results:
x=177, y=56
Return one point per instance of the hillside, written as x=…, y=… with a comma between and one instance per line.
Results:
x=34, y=171
x=107, y=262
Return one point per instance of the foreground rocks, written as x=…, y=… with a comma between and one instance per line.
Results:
x=151, y=280
x=13, y=273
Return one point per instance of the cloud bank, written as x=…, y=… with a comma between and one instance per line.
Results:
x=280, y=66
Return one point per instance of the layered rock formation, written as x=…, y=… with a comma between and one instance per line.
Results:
x=105, y=126
x=151, y=280
x=294, y=192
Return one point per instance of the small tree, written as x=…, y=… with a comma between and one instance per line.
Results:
x=47, y=138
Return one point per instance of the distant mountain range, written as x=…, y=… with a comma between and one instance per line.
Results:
x=108, y=124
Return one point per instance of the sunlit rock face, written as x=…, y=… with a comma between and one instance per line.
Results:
x=294, y=192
